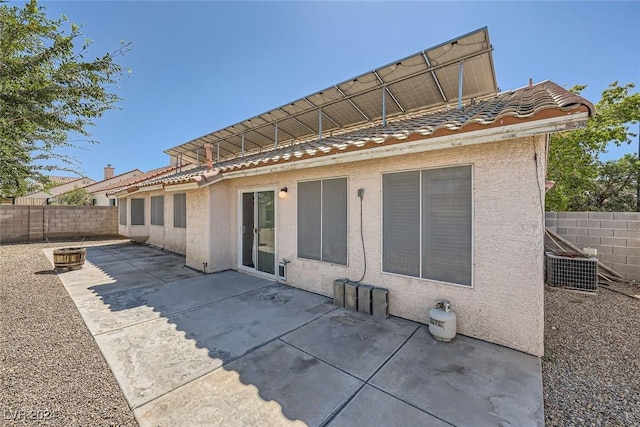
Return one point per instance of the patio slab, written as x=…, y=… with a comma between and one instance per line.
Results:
x=466, y=382
x=276, y=385
x=372, y=407
x=354, y=342
x=233, y=349
x=114, y=310
x=151, y=358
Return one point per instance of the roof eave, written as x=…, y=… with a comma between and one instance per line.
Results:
x=560, y=123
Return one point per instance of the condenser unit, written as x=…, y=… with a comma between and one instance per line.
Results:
x=572, y=271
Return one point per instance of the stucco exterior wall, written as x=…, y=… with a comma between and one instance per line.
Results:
x=505, y=304
x=166, y=237
x=198, y=229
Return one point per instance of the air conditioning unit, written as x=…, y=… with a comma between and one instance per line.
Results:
x=572, y=271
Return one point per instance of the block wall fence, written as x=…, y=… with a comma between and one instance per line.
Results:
x=616, y=236
x=19, y=223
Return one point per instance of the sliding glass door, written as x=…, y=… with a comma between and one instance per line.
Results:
x=258, y=231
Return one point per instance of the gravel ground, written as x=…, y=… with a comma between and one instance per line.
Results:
x=51, y=370
x=591, y=368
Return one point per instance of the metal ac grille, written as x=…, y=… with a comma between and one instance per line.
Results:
x=574, y=273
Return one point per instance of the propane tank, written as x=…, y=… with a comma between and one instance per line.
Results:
x=442, y=321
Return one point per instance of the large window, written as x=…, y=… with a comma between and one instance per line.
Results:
x=157, y=210
x=137, y=211
x=180, y=210
x=426, y=224
x=322, y=220
x=123, y=211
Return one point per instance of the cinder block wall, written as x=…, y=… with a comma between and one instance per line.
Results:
x=616, y=236
x=35, y=223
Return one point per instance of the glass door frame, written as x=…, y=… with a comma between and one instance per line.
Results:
x=239, y=221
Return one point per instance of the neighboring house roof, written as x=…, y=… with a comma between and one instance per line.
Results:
x=545, y=100
x=59, y=180
x=67, y=184
x=105, y=183
x=154, y=173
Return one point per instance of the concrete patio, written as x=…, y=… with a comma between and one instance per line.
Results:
x=232, y=349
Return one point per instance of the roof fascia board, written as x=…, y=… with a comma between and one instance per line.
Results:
x=181, y=187
x=150, y=188
x=500, y=133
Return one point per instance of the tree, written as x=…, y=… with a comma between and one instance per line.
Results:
x=573, y=157
x=48, y=93
x=76, y=197
x=615, y=188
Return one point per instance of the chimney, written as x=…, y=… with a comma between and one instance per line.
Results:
x=108, y=172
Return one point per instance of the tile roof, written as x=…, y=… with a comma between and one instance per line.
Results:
x=536, y=102
x=125, y=183
x=116, y=179
x=196, y=174
x=59, y=180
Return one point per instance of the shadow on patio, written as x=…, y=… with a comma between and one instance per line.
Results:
x=287, y=355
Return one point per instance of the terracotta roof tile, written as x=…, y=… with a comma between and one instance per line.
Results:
x=524, y=103
x=542, y=100
x=120, y=185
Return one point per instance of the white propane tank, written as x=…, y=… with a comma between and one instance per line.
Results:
x=442, y=321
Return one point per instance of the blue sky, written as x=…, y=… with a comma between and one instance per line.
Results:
x=200, y=66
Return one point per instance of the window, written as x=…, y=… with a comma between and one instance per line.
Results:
x=123, y=212
x=322, y=220
x=426, y=224
x=180, y=210
x=113, y=202
x=157, y=210
x=137, y=211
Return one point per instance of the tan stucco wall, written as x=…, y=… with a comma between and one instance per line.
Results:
x=166, y=237
x=504, y=306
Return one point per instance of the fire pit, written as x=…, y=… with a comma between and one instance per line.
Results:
x=66, y=259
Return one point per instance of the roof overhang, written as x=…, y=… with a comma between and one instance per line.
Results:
x=196, y=182
x=418, y=144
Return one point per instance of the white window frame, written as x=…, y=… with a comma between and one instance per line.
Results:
x=321, y=218
x=239, y=192
x=473, y=234
x=144, y=214
x=174, y=210
x=151, y=209
x=123, y=207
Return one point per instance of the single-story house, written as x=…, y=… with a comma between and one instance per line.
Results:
x=430, y=203
x=102, y=195
x=97, y=190
x=60, y=185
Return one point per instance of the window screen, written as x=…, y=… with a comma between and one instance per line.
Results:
x=137, y=211
x=180, y=210
x=334, y=220
x=446, y=225
x=427, y=224
x=123, y=211
x=157, y=210
x=310, y=220
x=322, y=220
x=401, y=223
